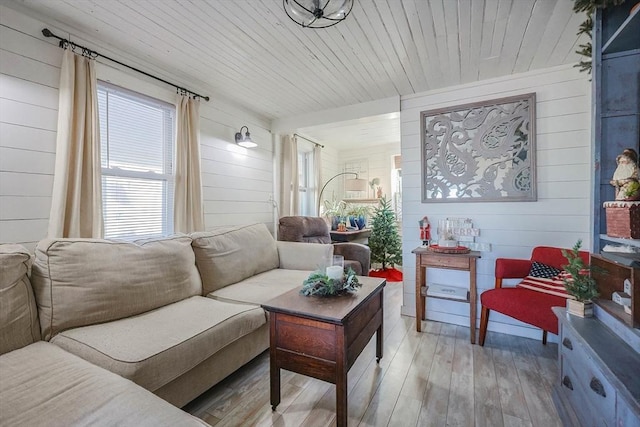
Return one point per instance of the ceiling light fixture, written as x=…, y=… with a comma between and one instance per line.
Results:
x=245, y=141
x=310, y=14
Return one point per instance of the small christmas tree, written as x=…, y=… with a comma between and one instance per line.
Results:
x=385, y=244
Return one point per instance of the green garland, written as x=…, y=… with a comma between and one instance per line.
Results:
x=589, y=7
x=320, y=284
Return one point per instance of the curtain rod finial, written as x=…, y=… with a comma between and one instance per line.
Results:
x=46, y=32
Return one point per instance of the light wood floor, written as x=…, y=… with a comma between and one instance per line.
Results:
x=433, y=378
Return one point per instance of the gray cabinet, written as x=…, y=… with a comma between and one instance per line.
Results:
x=616, y=102
x=599, y=381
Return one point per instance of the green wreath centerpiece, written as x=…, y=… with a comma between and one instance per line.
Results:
x=320, y=284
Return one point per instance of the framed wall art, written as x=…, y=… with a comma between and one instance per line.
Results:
x=480, y=152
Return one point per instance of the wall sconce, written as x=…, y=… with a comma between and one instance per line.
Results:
x=245, y=141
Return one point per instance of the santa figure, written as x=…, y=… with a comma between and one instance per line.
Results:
x=625, y=175
x=425, y=231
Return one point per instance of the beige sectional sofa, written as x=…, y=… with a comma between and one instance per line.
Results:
x=174, y=316
x=43, y=385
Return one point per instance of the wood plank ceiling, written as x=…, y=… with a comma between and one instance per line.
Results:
x=248, y=51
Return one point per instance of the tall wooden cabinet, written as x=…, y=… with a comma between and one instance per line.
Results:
x=616, y=103
x=599, y=358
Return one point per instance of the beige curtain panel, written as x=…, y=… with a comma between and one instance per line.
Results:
x=76, y=205
x=317, y=175
x=289, y=187
x=187, y=202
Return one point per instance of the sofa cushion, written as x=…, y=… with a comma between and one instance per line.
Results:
x=18, y=313
x=43, y=385
x=304, y=256
x=79, y=282
x=227, y=255
x=262, y=287
x=154, y=348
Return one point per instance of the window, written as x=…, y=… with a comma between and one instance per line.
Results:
x=136, y=137
x=396, y=184
x=306, y=184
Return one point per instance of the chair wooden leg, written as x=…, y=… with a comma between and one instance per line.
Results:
x=544, y=337
x=484, y=321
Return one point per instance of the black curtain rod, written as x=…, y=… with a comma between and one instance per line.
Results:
x=313, y=142
x=93, y=54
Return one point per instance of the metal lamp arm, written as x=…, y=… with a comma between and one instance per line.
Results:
x=326, y=183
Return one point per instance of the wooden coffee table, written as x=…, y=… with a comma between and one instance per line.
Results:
x=322, y=337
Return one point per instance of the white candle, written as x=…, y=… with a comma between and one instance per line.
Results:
x=334, y=272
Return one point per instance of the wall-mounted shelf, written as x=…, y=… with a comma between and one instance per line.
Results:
x=610, y=277
x=626, y=36
x=353, y=200
x=628, y=242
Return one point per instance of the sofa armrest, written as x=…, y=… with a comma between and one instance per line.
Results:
x=355, y=251
x=509, y=268
x=304, y=256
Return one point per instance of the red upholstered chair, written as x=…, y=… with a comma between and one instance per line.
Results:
x=527, y=305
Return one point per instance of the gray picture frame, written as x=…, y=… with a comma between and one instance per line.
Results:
x=480, y=152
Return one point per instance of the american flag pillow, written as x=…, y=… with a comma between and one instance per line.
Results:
x=552, y=286
x=539, y=269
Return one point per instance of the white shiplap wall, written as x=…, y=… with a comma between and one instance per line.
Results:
x=29, y=75
x=237, y=182
x=561, y=215
x=379, y=159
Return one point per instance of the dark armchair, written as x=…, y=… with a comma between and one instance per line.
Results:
x=311, y=229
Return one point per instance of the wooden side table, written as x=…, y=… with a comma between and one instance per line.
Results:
x=465, y=262
x=354, y=236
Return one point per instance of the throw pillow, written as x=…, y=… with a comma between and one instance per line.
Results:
x=552, y=286
x=539, y=269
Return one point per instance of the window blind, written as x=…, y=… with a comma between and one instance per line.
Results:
x=136, y=137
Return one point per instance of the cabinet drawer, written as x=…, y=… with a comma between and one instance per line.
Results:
x=599, y=395
x=573, y=392
x=625, y=416
x=445, y=261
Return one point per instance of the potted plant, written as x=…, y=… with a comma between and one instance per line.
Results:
x=580, y=284
x=358, y=216
x=334, y=209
